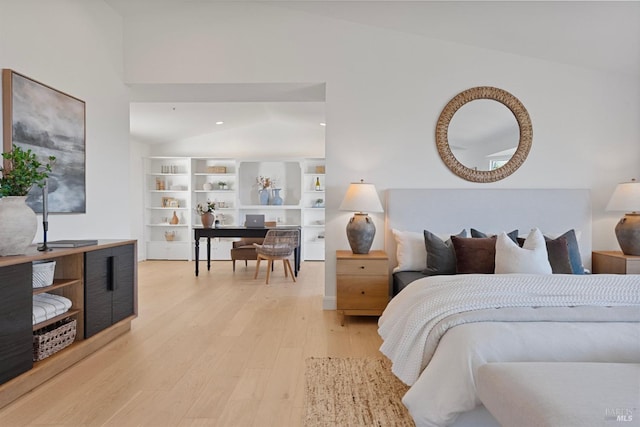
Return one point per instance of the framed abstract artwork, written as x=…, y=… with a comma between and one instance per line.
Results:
x=49, y=123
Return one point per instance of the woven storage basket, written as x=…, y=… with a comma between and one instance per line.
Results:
x=43, y=273
x=53, y=338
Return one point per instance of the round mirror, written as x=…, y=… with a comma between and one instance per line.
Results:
x=484, y=134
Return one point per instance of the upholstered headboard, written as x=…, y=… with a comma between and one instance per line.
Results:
x=447, y=211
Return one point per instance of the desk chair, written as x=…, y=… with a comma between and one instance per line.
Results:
x=277, y=245
x=244, y=250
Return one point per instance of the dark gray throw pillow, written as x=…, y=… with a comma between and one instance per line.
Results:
x=441, y=257
x=558, y=254
x=574, y=251
x=512, y=235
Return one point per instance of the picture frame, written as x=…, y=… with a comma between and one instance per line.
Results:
x=49, y=123
x=166, y=202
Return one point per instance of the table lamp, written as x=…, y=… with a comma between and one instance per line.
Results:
x=626, y=198
x=360, y=199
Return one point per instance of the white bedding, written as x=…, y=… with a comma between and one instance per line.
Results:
x=439, y=330
x=46, y=306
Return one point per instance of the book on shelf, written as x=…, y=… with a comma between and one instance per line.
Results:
x=71, y=243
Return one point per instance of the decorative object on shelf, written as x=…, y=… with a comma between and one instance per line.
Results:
x=626, y=198
x=206, y=212
x=207, y=186
x=19, y=222
x=169, y=236
x=174, y=219
x=319, y=203
x=42, y=273
x=32, y=108
x=361, y=198
x=223, y=185
x=171, y=169
x=263, y=195
x=53, y=338
x=319, y=169
x=318, y=188
x=217, y=169
x=160, y=184
x=276, y=199
x=263, y=183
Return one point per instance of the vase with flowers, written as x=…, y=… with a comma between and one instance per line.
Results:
x=264, y=184
x=20, y=172
x=206, y=212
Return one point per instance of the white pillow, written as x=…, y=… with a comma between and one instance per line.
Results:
x=531, y=258
x=411, y=252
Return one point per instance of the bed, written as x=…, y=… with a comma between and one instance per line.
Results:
x=439, y=330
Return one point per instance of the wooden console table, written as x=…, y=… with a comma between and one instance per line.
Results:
x=101, y=282
x=208, y=233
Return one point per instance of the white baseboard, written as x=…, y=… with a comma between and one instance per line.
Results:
x=329, y=303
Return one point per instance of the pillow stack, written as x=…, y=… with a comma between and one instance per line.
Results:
x=486, y=254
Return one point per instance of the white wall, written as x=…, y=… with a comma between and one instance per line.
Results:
x=76, y=47
x=385, y=90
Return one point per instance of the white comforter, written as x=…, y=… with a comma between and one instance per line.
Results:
x=438, y=330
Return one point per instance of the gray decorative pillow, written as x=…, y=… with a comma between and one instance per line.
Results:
x=441, y=257
x=574, y=251
x=558, y=254
x=512, y=235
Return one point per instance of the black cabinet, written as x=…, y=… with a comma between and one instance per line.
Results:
x=108, y=287
x=16, y=347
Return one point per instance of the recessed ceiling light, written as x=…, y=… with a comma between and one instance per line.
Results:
x=323, y=124
x=219, y=123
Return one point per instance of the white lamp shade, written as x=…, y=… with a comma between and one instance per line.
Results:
x=361, y=197
x=626, y=197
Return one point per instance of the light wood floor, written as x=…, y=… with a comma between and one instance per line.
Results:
x=217, y=350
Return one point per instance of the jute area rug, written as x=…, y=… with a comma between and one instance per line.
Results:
x=353, y=392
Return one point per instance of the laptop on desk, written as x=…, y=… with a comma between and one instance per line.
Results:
x=254, y=221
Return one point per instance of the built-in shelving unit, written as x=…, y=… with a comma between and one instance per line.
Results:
x=231, y=184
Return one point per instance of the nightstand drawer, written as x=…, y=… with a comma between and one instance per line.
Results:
x=362, y=293
x=362, y=267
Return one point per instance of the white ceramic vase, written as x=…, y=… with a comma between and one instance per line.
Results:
x=19, y=225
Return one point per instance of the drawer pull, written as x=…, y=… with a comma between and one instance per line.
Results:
x=362, y=267
x=362, y=292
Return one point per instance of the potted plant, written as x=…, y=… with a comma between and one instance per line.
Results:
x=20, y=172
x=222, y=185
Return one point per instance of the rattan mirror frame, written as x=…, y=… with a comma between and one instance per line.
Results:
x=521, y=116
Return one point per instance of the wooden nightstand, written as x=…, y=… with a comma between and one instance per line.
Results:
x=362, y=283
x=614, y=262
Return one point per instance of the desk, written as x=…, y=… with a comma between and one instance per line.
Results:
x=208, y=233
